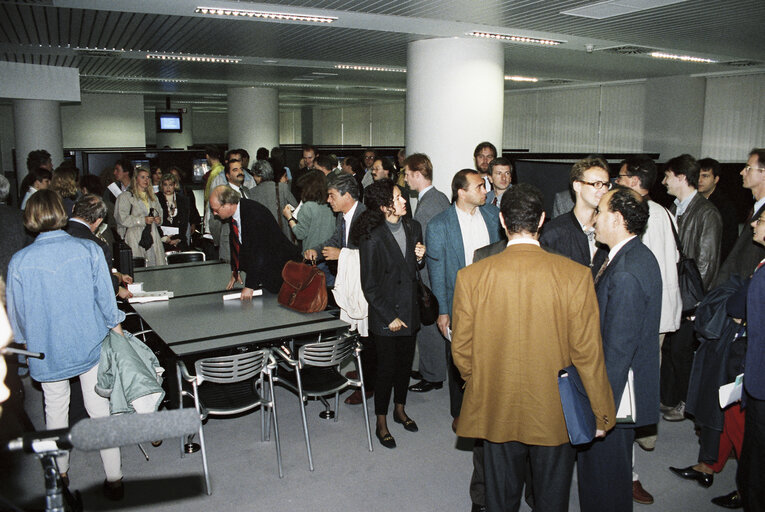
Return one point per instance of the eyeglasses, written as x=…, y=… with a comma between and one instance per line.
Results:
x=597, y=185
x=750, y=168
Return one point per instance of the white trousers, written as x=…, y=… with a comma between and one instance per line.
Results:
x=56, y=395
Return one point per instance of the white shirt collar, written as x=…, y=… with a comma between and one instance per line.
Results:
x=422, y=192
x=617, y=248
x=75, y=219
x=348, y=216
x=518, y=241
x=758, y=204
x=238, y=218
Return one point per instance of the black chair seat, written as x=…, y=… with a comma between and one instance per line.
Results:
x=236, y=395
x=317, y=381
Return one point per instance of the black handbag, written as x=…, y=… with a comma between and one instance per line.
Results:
x=427, y=302
x=688, y=277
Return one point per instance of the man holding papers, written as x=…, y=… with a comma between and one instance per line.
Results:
x=628, y=288
x=511, y=367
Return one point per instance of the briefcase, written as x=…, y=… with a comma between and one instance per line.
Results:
x=580, y=421
x=304, y=288
x=123, y=258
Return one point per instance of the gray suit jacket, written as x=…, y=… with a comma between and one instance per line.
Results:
x=337, y=238
x=432, y=203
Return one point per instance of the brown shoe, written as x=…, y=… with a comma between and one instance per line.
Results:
x=355, y=397
x=640, y=495
x=455, y=422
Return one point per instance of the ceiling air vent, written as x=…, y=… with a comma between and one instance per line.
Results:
x=628, y=50
x=742, y=63
x=557, y=81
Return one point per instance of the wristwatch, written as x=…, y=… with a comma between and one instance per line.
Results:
x=292, y=218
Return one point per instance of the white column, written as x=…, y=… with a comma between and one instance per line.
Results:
x=454, y=100
x=37, y=125
x=253, y=118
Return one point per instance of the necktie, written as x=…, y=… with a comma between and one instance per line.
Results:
x=601, y=270
x=494, y=201
x=344, y=242
x=243, y=192
x=235, y=246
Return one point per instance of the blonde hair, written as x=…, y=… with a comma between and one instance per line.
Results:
x=44, y=212
x=149, y=194
x=64, y=182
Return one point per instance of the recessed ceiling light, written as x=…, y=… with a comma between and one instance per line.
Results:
x=370, y=68
x=515, y=39
x=521, y=79
x=247, y=13
x=270, y=61
x=684, y=58
x=319, y=73
x=193, y=58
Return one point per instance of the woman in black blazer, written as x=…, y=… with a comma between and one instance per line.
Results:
x=390, y=250
x=175, y=213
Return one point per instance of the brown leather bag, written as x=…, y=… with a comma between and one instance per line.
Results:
x=304, y=288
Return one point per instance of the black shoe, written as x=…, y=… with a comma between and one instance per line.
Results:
x=113, y=491
x=415, y=375
x=423, y=386
x=408, y=423
x=732, y=500
x=386, y=440
x=704, y=479
x=478, y=508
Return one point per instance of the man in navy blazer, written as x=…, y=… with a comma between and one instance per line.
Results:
x=628, y=288
x=452, y=238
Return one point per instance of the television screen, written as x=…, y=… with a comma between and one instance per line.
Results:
x=169, y=122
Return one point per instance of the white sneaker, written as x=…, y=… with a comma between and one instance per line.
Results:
x=676, y=414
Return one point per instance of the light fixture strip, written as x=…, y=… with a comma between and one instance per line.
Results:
x=515, y=39
x=247, y=13
x=684, y=58
x=193, y=58
x=521, y=79
x=369, y=68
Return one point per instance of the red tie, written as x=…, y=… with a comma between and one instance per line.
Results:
x=235, y=245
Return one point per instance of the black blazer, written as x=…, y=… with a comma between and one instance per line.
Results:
x=264, y=249
x=389, y=280
x=181, y=219
x=82, y=231
x=564, y=236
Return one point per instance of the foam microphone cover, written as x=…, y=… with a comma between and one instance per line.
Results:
x=128, y=429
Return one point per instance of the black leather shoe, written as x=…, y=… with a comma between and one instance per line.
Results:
x=408, y=423
x=113, y=491
x=704, y=479
x=732, y=500
x=424, y=386
x=386, y=440
x=415, y=374
x=478, y=508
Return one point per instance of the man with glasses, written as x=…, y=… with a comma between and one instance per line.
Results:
x=699, y=227
x=572, y=234
x=746, y=255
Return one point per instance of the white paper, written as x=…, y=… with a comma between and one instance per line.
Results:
x=238, y=295
x=169, y=230
x=296, y=209
x=731, y=393
x=626, y=411
x=143, y=297
x=135, y=287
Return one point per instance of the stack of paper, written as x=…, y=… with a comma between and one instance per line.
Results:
x=142, y=297
x=731, y=393
x=238, y=295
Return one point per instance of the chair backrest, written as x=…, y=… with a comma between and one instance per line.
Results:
x=139, y=262
x=234, y=368
x=185, y=257
x=327, y=353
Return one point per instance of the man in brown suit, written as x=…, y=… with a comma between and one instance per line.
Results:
x=510, y=368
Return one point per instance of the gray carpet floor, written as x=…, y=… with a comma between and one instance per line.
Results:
x=428, y=471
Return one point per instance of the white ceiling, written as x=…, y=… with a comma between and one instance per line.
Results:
x=367, y=32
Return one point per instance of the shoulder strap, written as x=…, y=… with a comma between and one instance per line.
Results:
x=678, y=244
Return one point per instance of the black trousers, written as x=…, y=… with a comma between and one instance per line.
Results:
x=505, y=466
x=394, y=363
x=676, y=363
x=456, y=383
x=751, y=467
x=604, y=471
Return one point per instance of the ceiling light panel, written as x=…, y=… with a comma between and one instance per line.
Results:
x=370, y=68
x=613, y=8
x=510, y=38
x=263, y=15
x=521, y=79
x=193, y=58
x=683, y=58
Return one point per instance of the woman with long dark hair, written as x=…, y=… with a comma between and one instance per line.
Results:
x=390, y=251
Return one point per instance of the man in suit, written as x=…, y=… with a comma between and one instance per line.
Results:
x=235, y=178
x=511, y=393
x=87, y=215
x=343, y=198
x=699, y=226
x=751, y=466
x=418, y=173
x=501, y=177
x=746, y=255
x=483, y=154
x=572, y=234
x=628, y=288
x=709, y=177
x=258, y=247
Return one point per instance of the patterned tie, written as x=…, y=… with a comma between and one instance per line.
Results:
x=494, y=201
x=235, y=246
x=243, y=192
x=344, y=242
x=601, y=270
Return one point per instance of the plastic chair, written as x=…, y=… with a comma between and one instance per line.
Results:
x=139, y=262
x=185, y=257
x=229, y=385
x=316, y=373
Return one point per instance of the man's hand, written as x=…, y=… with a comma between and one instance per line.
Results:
x=396, y=325
x=157, y=220
x=600, y=433
x=443, y=325
x=310, y=255
x=234, y=279
x=247, y=294
x=126, y=279
x=174, y=242
x=123, y=293
x=330, y=253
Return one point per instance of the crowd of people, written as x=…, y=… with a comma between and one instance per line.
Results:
x=600, y=285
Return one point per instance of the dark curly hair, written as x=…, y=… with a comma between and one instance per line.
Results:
x=376, y=196
x=634, y=209
x=521, y=208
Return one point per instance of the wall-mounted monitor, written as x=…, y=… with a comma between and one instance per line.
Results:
x=169, y=122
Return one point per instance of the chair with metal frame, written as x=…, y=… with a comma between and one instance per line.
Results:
x=228, y=385
x=315, y=373
x=185, y=257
